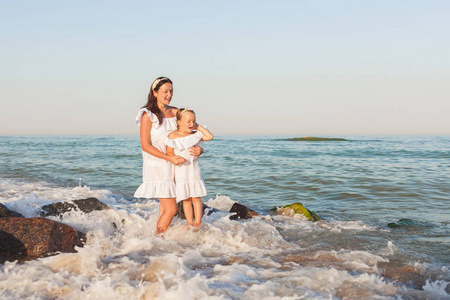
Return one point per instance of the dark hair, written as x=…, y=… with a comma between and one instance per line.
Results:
x=151, y=104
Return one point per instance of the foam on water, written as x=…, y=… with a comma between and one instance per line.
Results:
x=221, y=202
x=27, y=198
x=225, y=259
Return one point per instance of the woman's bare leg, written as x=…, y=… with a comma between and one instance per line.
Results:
x=198, y=210
x=188, y=212
x=167, y=210
x=161, y=211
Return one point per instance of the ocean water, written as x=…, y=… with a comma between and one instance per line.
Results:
x=356, y=186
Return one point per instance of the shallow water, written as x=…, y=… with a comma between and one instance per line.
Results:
x=357, y=187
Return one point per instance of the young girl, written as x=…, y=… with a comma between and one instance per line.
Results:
x=188, y=177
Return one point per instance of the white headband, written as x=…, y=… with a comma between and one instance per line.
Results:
x=155, y=83
x=187, y=109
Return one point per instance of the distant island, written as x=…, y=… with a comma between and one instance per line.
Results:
x=315, y=139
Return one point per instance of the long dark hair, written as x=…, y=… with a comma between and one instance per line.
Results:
x=151, y=104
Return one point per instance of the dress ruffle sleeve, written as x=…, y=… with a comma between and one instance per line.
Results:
x=184, y=142
x=152, y=116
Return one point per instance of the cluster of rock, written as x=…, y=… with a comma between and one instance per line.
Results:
x=28, y=238
x=239, y=211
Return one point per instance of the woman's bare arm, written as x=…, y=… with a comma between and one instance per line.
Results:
x=196, y=151
x=170, y=151
x=146, y=126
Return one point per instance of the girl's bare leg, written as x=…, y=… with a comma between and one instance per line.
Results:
x=188, y=212
x=198, y=210
x=167, y=210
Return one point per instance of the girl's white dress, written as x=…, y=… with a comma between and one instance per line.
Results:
x=188, y=177
x=157, y=174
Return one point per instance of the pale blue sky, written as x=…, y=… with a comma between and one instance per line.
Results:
x=246, y=67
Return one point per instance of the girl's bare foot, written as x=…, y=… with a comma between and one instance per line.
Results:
x=197, y=227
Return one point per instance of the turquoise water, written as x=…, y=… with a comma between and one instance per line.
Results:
x=357, y=186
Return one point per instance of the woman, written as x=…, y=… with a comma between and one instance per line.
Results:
x=157, y=119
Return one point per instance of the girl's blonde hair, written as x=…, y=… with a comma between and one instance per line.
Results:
x=181, y=111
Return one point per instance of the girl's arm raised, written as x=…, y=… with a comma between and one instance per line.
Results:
x=146, y=126
x=207, y=135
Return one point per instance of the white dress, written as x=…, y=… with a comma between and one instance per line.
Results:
x=157, y=174
x=188, y=177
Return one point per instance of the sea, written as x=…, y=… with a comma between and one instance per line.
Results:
x=383, y=201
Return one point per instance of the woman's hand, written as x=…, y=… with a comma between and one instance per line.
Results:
x=196, y=151
x=177, y=160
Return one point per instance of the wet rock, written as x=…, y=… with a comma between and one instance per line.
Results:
x=353, y=290
x=180, y=210
x=22, y=238
x=6, y=212
x=407, y=275
x=11, y=248
x=297, y=208
x=242, y=212
x=406, y=223
x=85, y=205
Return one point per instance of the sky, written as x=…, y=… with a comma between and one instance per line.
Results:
x=298, y=68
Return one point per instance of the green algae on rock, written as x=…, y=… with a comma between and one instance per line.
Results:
x=298, y=208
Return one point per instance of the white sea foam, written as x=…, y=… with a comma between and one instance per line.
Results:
x=221, y=202
x=302, y=223
x=389, y=250
x=441, y=272
x=27, y=198
x=339, y=226
x=361, y=261
x=225, y=259
x=436, y=289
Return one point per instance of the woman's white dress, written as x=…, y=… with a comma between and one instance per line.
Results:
x=188, y=177
x=157, y=174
